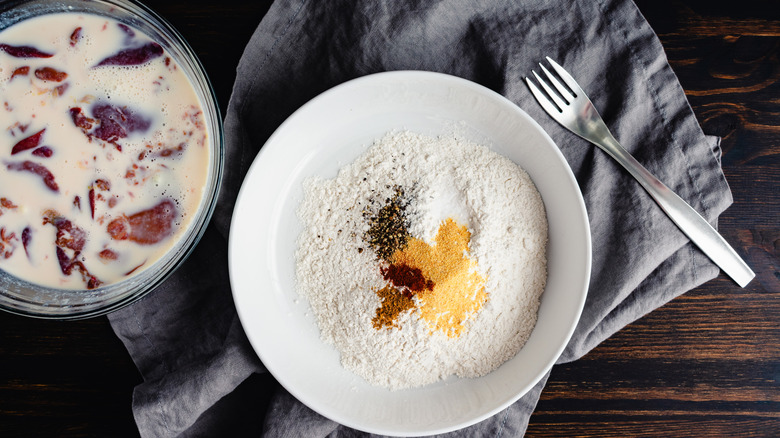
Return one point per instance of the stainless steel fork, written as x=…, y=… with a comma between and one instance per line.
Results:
x=572, y=109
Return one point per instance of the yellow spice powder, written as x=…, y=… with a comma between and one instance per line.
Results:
x=459, y=290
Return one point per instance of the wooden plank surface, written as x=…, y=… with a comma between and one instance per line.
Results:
x=705, y=364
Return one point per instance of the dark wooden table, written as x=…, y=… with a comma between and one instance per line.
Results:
x=706, y=364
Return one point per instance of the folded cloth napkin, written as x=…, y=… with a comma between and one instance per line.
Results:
x=185, y=337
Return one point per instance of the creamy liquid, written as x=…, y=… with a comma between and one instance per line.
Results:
x=126, y=148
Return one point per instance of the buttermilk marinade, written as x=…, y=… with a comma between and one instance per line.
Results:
x=103, y=151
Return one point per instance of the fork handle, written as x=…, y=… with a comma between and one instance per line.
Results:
x=683, y=215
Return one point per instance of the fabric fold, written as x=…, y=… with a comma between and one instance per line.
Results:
x=185, y=337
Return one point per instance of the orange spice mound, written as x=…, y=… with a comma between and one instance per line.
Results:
x=458, y=291
x=394, y=303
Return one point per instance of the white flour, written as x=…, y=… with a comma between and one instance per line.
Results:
x=339, y=274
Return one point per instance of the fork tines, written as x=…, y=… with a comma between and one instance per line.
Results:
x=564, y=95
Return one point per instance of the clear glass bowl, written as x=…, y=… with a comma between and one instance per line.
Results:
x=25, y=298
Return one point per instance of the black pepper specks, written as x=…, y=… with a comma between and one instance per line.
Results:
x=389, y=227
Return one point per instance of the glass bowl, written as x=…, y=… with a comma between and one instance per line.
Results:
x=25, y=298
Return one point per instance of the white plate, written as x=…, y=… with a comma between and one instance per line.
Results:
x=331, y=131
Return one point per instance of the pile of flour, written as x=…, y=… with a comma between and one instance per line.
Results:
x=447, y=177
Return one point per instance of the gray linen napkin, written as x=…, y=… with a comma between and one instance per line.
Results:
x=185, y=337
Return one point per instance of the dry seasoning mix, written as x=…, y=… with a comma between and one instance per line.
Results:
x=422, y=259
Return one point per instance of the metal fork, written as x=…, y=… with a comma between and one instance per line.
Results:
x=577, y=114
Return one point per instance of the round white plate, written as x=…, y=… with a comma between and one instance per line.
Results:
x=331, y=131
